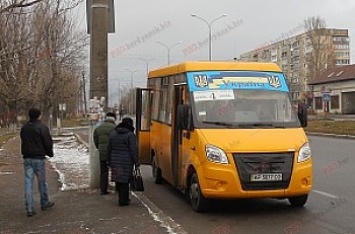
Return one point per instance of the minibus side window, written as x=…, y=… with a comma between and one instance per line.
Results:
x=170, y=100
x=156, y=97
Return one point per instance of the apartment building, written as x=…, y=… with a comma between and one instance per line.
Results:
x=293, y=56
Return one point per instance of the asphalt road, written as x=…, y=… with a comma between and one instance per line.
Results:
x=330, y=207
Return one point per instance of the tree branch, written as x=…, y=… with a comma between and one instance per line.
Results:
x=21, y=4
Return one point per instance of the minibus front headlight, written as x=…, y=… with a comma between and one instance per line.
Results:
x=304, y=153
x=215, y=154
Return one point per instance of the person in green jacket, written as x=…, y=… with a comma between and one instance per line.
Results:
x=101, y=139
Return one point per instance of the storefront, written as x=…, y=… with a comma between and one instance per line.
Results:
x=334, y=91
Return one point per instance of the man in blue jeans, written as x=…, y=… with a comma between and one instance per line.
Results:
x=36, y=143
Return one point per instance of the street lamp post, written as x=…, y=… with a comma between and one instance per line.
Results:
x=131, y=71
x=147, y=61
x=131, y=91
x=209, y=24
x=168, y=48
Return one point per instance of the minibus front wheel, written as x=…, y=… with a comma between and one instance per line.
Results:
x=298, y=201
x=198, y=202
x=157, y=174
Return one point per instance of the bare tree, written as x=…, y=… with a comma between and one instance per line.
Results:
x=8, y=5
x=63, y=55
x=13, y=60
x=41, y=56
x=321, y=56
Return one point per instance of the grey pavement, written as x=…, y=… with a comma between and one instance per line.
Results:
x=75, y=211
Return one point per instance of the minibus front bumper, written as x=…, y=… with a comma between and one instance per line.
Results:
x=231, y=181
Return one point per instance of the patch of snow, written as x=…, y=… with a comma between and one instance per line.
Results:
x=71, y=161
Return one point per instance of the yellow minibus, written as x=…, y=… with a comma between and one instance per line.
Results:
x=224, y=130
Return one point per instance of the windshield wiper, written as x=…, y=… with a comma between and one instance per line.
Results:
x=255, y=125
x=218, y=123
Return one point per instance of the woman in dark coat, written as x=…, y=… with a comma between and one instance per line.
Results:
x=122, y=154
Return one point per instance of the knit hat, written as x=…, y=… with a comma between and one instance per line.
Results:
x=127, y=123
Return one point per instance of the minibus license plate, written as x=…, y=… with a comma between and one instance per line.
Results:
x=266, y=177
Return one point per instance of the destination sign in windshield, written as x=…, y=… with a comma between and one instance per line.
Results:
x=226, y=80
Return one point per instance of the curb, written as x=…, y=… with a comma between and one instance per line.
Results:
x=330, y=135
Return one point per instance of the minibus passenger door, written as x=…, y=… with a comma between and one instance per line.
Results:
x=143, y=118
x=177, y=132
x=181, y=133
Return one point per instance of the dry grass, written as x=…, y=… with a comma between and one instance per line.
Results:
x=344, y=127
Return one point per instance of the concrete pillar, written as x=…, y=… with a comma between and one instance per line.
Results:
x=94, y=161
x=98, y=73
x=98, y=49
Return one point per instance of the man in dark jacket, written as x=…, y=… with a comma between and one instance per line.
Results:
x=101, y=136
x=122, y=154
x=36, y=143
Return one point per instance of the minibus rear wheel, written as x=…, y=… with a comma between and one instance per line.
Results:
x=298, y=201
x=198, y=202
x=158, y=178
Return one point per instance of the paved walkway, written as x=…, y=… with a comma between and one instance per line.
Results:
x=79, y=211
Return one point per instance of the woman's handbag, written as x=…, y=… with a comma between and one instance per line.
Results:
x=137, y=180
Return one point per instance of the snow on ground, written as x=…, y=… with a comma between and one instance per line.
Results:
x=71, y=161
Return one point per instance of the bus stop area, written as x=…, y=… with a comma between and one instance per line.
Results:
x=75, y=211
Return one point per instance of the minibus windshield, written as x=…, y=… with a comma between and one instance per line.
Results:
x=243, y=109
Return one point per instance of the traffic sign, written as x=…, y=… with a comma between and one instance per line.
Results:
x=326, y=97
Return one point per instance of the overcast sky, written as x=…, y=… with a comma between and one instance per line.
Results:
x=249, y=24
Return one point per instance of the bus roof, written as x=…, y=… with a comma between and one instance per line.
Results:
x=213, y=66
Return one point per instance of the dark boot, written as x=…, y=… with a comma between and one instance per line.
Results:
x=103, y=177
x=123, y=193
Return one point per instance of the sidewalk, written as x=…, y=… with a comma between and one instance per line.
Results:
x=76, y=211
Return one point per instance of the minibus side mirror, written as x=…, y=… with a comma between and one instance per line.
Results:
x=184, y=117
x=302, y=114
